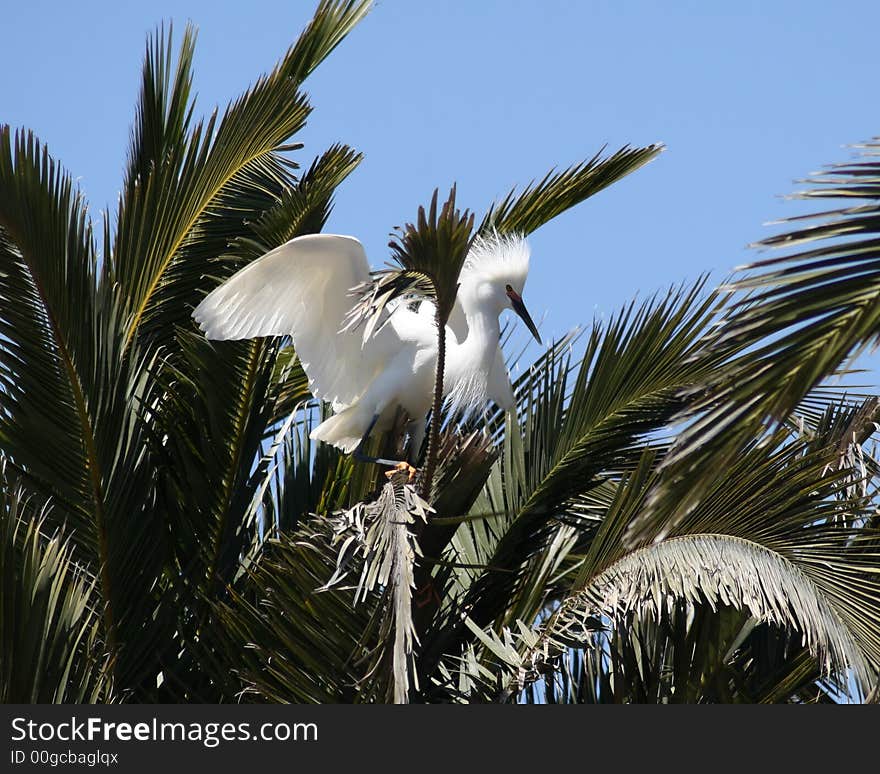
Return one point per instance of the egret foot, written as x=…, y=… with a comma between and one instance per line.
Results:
x=403, y=467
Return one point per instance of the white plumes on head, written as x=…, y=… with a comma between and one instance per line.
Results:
x=498, y=258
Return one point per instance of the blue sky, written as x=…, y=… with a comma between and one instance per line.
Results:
x=747, y=96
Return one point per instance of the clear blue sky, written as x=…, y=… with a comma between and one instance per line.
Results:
x=747, y=96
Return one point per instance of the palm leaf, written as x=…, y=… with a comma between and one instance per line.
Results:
x=715, y=570
x=573, y=435
x=557, y=192
x=284, y=639
x=189, y=190
x=69, y=421
x=773, y=538
x=801, y=317
x=626, y=389
x=47, y=318
x=378, y=542
x=50, y=612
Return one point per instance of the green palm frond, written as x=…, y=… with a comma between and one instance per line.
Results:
x=799, y=318
x=190, y=191
x=312, y=477
x=578, y=428
x=48, y=320
x=844, y=429
x=70, y=419
x=679, y=508
x=773, y=540
x=824, y=398
x=290, y=386
x=431, y=254
x=436, y=246
x=556, y=192
x=212, y=423
x=305, y=207
x=325, y=637
x=243, y=390
x=50, y=617
x=782, y=561
x=625, y=390
x=691, y=655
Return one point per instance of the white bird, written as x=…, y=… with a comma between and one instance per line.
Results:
x=303, y=289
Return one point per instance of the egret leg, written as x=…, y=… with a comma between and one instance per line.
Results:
x=360, y=456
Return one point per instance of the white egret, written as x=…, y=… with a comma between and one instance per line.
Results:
x=303, y=288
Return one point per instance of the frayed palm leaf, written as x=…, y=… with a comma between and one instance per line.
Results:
x=378, y=540
x=780, y=563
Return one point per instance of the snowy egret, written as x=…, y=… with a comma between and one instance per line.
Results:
x=303, y=288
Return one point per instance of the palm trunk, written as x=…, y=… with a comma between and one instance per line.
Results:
x=434, y=433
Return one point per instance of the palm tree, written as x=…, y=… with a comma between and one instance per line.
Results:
x=169, y=533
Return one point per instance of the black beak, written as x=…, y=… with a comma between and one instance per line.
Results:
x=520, y=308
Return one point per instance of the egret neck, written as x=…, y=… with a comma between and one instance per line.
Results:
x=469, y=362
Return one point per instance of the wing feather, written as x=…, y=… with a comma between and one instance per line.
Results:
x=302, y=289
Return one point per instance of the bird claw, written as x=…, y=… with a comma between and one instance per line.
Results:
x=403, y=467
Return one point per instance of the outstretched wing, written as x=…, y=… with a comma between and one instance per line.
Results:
x=302, y=289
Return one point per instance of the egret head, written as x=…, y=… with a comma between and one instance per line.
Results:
x=495, y=272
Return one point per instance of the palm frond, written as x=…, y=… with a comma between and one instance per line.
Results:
x=373, y=301
x=686, y=512
x=774, y=537
x=691, y=655
x=774, y=540
x=557, y=192
x=213, y=420
x=290, y=386
x=312, y=478
x=46, y=323
x=718, y=570
x=189, y=195
x=797, y=321
x=70, y=419
x=305, y=207
x=626, y=389
x=577, y=429
x=430, y=254
x=50, y=617
x=277, y=638
x=378, y=539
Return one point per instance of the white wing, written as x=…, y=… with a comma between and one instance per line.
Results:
x=301, y=289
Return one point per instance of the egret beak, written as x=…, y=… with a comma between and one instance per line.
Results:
x=520, y=308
